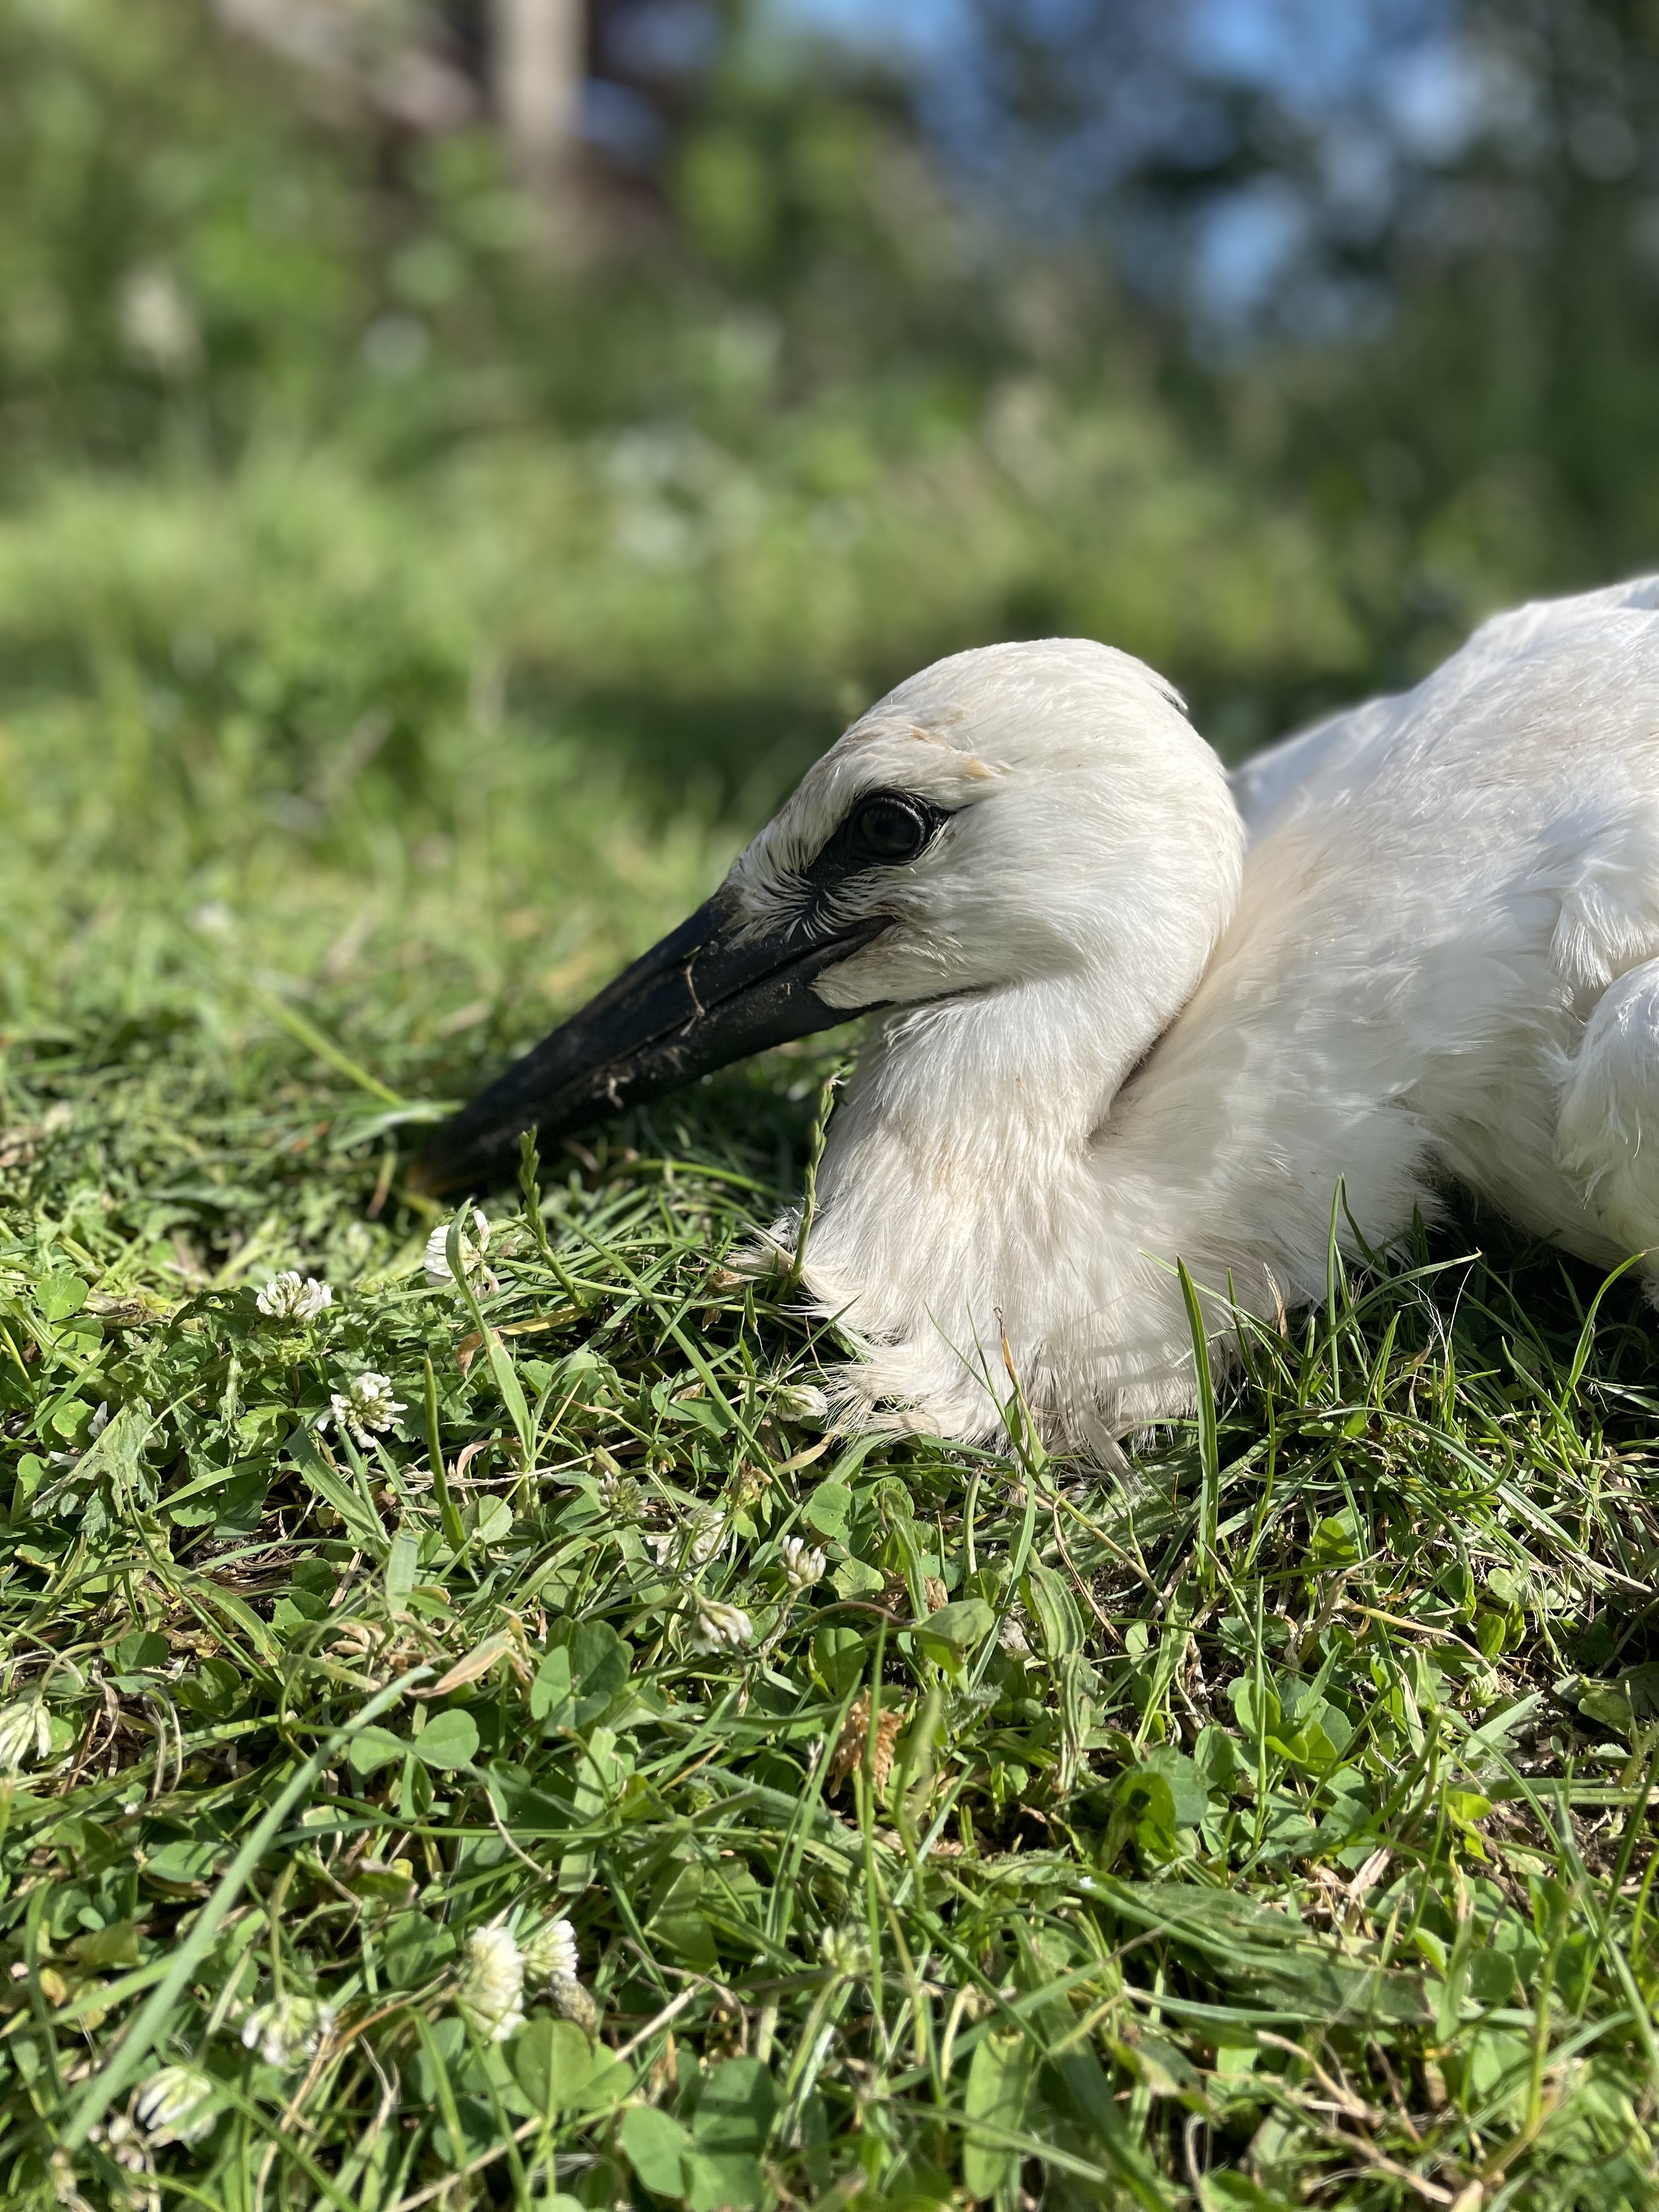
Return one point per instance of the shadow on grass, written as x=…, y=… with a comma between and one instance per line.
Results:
x=728, y=755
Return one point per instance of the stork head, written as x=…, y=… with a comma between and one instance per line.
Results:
x=1012, y=815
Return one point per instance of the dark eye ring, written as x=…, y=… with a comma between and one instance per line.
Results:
x=891, y=828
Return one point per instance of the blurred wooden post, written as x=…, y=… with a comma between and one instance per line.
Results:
x=538, y=60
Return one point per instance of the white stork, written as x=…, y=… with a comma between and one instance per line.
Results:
x=1132, y=1012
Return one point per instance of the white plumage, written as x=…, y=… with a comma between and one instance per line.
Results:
x=1143, y=1014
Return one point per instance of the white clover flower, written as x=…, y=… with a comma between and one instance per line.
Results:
x=845, y=1950
x=475, y=1242
x=365, y=1404
x=707, y=1534
x=286, y=1297
x=25, y=1733
x=701, y=1540
x=128, y=2148
x=719, y=1627
x=619, y=1494
x=550, y=1953
x=1013, y=1639
x=489, y=1993
x=287, y=2030
x=801, y=1402
x=573, y=2002
x=174, y=2106
x=156, y=319
x=803, y=1563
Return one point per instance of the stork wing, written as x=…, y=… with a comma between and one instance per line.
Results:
x=1267, y=786
x=1271, y=784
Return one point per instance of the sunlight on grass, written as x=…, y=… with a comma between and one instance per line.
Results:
x=1268, y=1821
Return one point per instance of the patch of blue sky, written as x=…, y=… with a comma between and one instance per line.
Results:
x=919, y=31
x=1309, y=52
x=1378, y=81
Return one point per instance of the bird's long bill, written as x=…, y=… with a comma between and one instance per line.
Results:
x=701, y=998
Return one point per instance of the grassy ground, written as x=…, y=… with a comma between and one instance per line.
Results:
x=1269, y=1826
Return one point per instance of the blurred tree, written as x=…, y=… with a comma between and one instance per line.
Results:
x=385, y=54
x=1277, y=341
x=1405, y=253
x=1525, y=267
x=538, y=61
x=589, y=94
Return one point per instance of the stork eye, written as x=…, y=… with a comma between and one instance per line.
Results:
x=890, y=828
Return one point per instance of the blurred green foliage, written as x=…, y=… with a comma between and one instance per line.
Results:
x=701, y=483
x=398, y=622
x=714, y=488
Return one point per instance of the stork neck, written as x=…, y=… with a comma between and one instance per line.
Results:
x=961, y=1194
x=958, y=1169
x=1004, y=1072
x=968, y=1121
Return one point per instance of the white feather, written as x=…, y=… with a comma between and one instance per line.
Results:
x=1142, y=1015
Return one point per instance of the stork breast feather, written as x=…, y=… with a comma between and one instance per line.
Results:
x=1609, y=920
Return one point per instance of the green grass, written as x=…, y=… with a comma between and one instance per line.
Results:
x=1268, y=1825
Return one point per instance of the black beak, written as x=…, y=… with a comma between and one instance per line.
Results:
x=701, y=998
